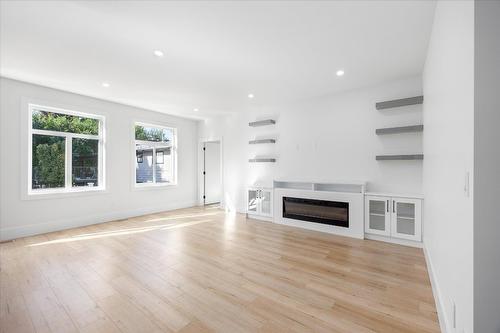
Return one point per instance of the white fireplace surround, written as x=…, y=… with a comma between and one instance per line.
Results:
x=350, y=192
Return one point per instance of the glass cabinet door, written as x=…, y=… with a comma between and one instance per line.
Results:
x=377, y=217
x=406, y=219
x=253, y=201
x=265, y=202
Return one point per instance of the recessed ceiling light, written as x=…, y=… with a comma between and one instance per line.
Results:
x=105, y=84
x=340, y=72
x=158, y=53
x=196, y=110
x=250, y=96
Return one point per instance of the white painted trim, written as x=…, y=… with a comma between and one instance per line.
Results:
x=397, y=195
x=173, y=145
x=436, y=292
x=393, y=240
x=201, y=142
x=64, y=134
x=153, y=186
x=259, y=217
x=56, y=193
x=41, y=228
x=27, y=192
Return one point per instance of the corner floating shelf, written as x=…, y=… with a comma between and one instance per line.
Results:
x=260, y=141
x=399, y=102
x=262, y=160
x=402, y=129
x=262, y=123
x=399, y=157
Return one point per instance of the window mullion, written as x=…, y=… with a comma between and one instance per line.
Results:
x=68, y=161
x=153, y=162
x=57, y=133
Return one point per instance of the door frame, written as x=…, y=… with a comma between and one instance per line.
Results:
x=201, y=178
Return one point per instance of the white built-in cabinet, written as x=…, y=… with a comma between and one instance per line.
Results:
x=392, y=216
x=260, y=202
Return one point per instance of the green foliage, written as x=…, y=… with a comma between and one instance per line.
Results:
x=48, y=163
x=85, y=161
x=64, y=123
x=84, y=147
x=151, y=134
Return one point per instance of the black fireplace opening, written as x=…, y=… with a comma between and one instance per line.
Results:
x=319, y=211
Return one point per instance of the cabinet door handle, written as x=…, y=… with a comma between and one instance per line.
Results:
x=387, y=206
x=393, y=206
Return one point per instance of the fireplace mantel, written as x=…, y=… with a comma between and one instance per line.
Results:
x=338, y=186
x=351, y=193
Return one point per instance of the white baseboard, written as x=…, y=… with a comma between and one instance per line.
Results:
x=394, y=240
x=260, y=218
x=42, y=228
x=438, y=297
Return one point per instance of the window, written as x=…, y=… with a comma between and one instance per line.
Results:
x=155, y=148
x=159, y=156
x=66, y=151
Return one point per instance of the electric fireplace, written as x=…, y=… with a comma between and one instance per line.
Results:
x=318, y=211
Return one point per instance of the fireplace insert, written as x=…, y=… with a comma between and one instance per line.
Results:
x=319, y=211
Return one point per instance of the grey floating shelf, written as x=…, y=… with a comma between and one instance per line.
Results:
x=402, y=129
x=262, y=123
x=260, y=160
x=399, y=157
x=260, y=141
x=399, y=102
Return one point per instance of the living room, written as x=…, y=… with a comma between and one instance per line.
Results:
x=253, y=166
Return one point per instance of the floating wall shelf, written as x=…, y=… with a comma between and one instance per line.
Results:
x=260, y=141
x=399, y=157
x=402, y=129
x=262, y=123
x=262, y=160
x=399, y=102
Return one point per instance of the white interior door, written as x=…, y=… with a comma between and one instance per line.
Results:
x=212, y=173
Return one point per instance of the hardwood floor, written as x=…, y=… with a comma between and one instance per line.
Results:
x=200, y=270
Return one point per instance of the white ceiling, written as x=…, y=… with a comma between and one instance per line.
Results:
x=216, y=53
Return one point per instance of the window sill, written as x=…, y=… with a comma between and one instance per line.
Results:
x=63, y=193
x=153, y=186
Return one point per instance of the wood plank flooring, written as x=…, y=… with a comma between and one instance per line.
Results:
x=201, y=270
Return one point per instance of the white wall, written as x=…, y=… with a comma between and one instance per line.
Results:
x=324, y=139
x=448, y=83
x=24, y=217
x=487, y=168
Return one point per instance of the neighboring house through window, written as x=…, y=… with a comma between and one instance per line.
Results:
x=155, y=149
x=66, y=151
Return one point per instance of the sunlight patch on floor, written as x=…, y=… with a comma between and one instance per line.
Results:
x=175, y=217
x=119, y=232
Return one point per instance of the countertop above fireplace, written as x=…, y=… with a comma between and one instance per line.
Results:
x=337, y=186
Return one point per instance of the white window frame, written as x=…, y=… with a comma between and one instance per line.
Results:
x=154, y=145
x=162, y=157
x=68, y=186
